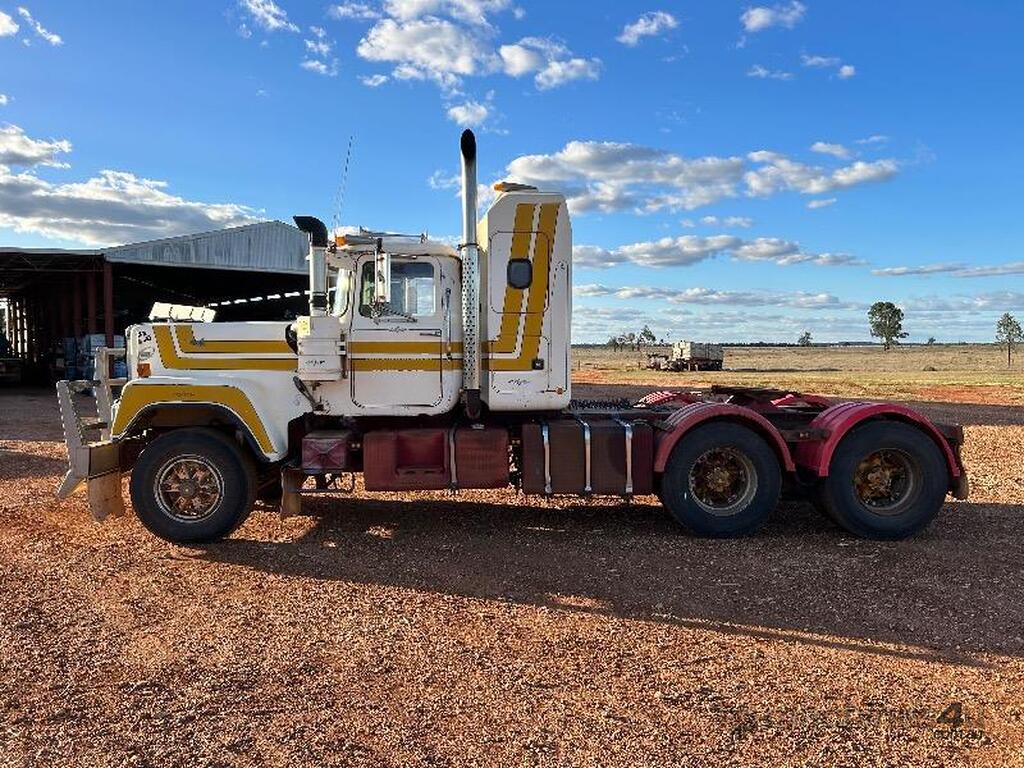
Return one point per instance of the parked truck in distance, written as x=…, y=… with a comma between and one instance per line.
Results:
x=689, y=356
x=422, y=366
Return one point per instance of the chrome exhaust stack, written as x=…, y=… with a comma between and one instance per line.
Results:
x=470, y=251
x=317, y=232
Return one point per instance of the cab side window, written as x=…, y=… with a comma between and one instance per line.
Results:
x=413, y=289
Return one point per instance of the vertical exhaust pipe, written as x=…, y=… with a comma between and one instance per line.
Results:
x=317, y=233
x=470, y=251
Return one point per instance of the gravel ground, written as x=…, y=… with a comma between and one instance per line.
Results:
x=381, y=631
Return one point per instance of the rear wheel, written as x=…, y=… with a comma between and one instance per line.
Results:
x=721, y=480
x=887, y=480
x=192, y=485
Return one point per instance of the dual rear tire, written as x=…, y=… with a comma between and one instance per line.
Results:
x=887, y=480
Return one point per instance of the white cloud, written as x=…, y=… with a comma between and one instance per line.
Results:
x=825, y=148
x=611, y=176
x=358, y=11
x=820, y=62
x=268, y=15
x=470, y=113
x=18, y=149
x=4, y=99
x=778, y=172
x=373, y=81
x=786, y=15
x=319, y=46
x=954, y=269
x=874, y=139
x=716, y=297
x=318, y=50
x=688, y=250
x=558, y=73
x=442, y=180
x=551, y=63
x=8, y=26
x=728, y=221
x=111, y=207
x=429, y=48
x=648, y=24
x=470, y=11
x=594, y=257
x=821, y=203
x=51, y=37
x=764, y=73
x=843, y=71
x=327, y=69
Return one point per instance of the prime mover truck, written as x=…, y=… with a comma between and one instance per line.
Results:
x=426, y=366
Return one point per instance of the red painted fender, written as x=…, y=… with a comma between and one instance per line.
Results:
x=686, y=418
x=839, y=419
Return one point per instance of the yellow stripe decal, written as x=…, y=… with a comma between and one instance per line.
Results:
x=405, y=364
x=522, y=233
x=170, y=358
x=403, y=347
x=543, y=244
x=189, y=345
x=137, y=396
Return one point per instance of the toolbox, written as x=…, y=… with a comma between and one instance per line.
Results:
x=585, y=455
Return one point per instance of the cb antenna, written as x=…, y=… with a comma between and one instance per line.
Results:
x=339, y=198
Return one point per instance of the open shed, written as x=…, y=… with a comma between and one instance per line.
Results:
x=54, y=294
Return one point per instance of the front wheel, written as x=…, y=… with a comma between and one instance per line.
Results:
x=192, y=485
x=721, y=480
x=887, y=480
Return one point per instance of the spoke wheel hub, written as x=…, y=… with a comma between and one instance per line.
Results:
x=723, y=481
x=189, y=488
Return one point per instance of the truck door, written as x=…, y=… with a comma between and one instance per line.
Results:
x=395, y=352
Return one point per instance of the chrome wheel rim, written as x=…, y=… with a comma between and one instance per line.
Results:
x=189, y=488
x=884, y=480
x=723, y=481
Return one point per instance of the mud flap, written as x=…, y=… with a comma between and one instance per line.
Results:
x=105, y=496
x=291, y=498
x=961, y=487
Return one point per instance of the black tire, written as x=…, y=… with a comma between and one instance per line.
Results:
x=745, y=505
x=212, y=467
x=909, y=493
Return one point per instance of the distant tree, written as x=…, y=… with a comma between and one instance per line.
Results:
x=1008, y=332
x=886, y=321
x=805, y=339
x=613, y=342
x=646, y=336
x=931, y=341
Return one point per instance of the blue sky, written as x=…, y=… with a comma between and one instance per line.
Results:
x=737, y=171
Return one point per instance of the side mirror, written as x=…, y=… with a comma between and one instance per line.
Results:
x=382, y=279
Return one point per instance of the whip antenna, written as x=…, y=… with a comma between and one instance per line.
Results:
x=339, y=198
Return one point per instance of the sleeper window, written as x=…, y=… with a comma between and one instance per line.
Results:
x=520, y=273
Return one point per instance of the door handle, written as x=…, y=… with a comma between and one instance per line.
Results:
x=435, y=334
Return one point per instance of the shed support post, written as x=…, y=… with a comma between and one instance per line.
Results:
x=76, y=307
x=90, y=302
x=108, y=302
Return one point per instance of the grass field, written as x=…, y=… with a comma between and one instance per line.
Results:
x=971, y=373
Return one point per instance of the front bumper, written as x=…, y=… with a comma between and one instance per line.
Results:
x=96, y=463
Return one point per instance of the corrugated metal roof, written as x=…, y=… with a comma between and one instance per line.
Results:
x=267, y=246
